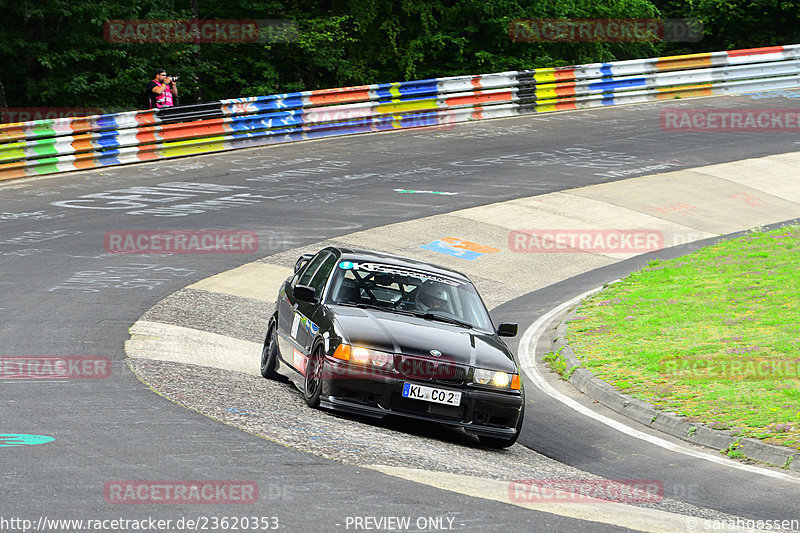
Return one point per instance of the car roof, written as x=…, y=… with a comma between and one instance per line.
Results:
x=356, y=254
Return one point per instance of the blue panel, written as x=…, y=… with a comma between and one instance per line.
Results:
x=107, y=139
x=107, y=122
x=107, y=158
x=612, y=85
x=419, y=87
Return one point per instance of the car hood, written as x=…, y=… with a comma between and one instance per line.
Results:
x=414, y=336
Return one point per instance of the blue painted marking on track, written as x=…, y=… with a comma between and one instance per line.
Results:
x=21, y=439
x=449, y=249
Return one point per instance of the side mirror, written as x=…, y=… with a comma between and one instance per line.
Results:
x=507, y=329
x=301, y=262
x=306, y=293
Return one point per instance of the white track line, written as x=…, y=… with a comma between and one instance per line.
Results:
x=526, y=355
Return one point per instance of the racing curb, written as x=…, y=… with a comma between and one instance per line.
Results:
x=645, y=413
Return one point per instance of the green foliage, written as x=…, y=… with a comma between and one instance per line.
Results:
x=54, y=53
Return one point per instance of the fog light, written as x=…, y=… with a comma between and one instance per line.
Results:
x=380, y=358
x=482, y=376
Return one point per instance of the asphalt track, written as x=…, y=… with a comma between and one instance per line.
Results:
x=64, y=295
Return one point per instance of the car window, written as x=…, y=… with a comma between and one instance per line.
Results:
x=405, y=289
x=319, y=279
x=311, y=268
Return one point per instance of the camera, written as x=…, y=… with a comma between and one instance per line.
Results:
x=174, y=77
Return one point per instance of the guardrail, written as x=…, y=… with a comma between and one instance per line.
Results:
x=67, y=144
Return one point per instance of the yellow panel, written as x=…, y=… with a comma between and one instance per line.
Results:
x=405, y=107
x=193, y=146
x=545, y=75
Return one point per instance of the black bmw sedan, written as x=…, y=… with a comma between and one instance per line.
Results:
x=377, y=334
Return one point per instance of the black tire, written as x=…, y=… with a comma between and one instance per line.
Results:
x=314, y=371
x=498, y=442
x=269, y=355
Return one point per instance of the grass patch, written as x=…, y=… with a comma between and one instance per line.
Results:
x=714, y=335
x=556, y=362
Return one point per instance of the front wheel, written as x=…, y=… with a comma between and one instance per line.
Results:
x=313, y=383
x=269, y=355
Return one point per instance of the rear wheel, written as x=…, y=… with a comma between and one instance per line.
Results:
x=269, y=355
x=313, y=384
x=498, y=442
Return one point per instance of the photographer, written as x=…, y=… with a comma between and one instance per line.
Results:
x=162, y=91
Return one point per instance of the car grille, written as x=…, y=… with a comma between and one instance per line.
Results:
x=420, y=369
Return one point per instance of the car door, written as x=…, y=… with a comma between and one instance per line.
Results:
x=314, y=314
x=291, y=336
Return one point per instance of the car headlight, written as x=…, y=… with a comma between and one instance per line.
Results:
x=501, y=380
x=364, y=356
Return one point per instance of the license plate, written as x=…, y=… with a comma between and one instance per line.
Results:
x=430, y=394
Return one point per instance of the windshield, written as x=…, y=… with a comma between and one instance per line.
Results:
x=400, y=289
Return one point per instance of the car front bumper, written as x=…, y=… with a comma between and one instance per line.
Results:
x=481, y=411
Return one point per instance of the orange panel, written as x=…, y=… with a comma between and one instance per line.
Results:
x=84, y=161
x=566, y=89
x=684, y=62
x=148, y=153
x=80, y=125
x=82, y=143
x=564, y=74
x=756, y=51
x=340, y=96
x=147, y=135
x=202, y=128
x=12, y=170
x=146, y=118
